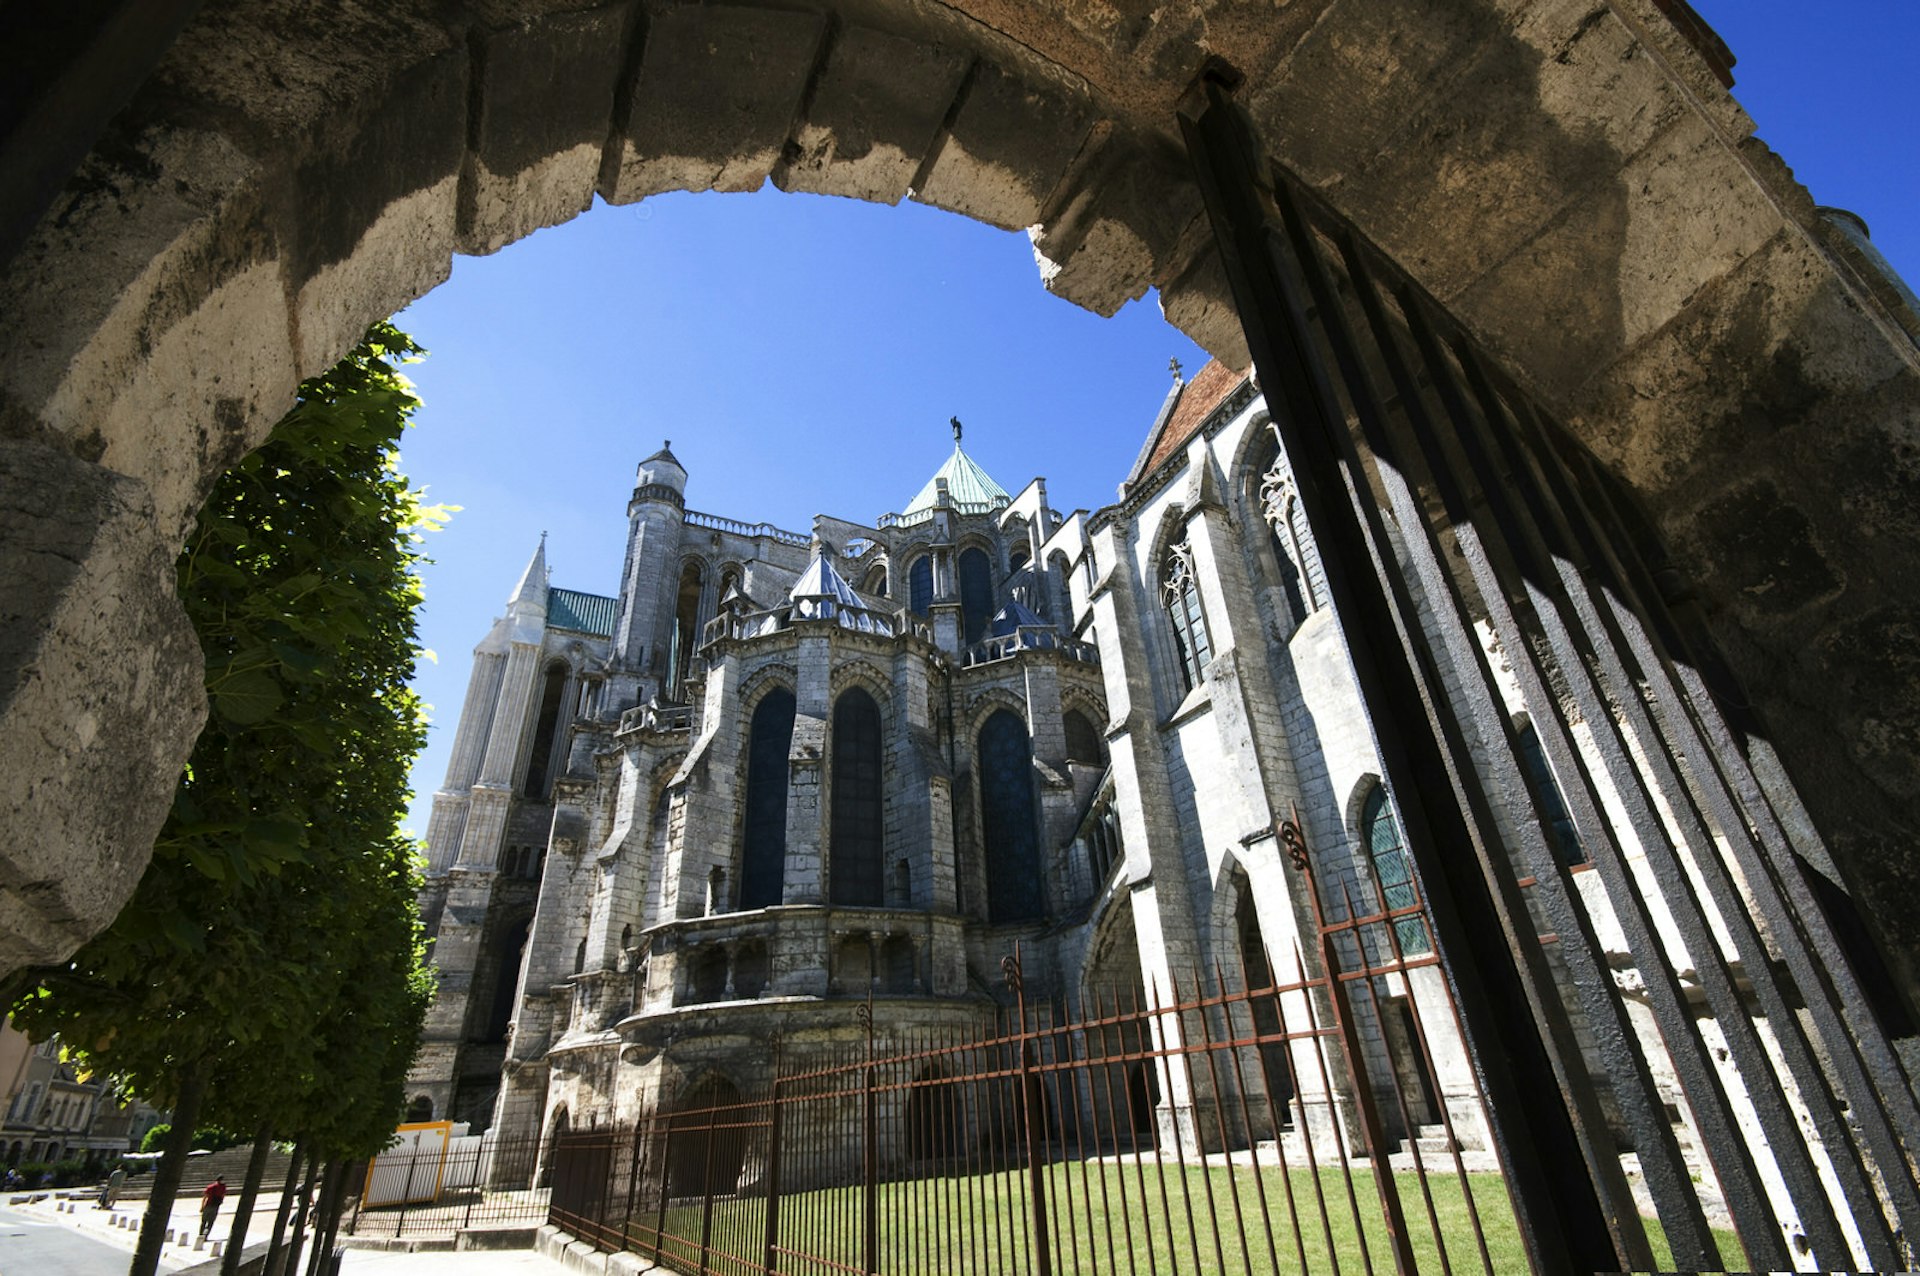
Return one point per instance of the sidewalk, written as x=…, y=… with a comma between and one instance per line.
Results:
x=120, y=1227
x=100, y=1225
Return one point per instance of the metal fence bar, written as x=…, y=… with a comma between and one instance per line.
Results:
x=1565, y=1223
x=1557, y=600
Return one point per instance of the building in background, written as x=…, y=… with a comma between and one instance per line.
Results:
x=52, y=1113
x=775, y=774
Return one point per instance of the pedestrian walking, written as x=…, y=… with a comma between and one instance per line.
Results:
x=210, y=1205
x=110, y=1190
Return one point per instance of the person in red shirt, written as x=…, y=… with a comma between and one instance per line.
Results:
x=210, y=1204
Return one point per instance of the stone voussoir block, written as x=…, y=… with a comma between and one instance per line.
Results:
x=94, y=640
x=716, y=95
x=873, y=114
x=1006, y=150
x=543, y=108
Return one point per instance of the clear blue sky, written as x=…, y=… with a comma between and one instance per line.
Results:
x=804, y=353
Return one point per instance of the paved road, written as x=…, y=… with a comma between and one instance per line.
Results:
x=36, y=1246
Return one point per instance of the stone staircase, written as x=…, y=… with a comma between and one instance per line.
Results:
x=230, y=1164
x=1432, y=1140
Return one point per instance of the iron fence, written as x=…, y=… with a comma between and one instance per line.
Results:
x=491, y=1188
x=1224, y=1121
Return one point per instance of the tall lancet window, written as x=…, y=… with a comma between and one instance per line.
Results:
x=1392, y=870
x=1180, y=594
x=1007, y=827
x=763, y=859
x=1286, y=524
x=686, y=629
x=545, y=728
x=856, y=873
x=920, y=585
x=976, y=593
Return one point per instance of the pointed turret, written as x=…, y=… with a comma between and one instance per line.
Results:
x=529, y=597
x=822, y=593
x=968, y=488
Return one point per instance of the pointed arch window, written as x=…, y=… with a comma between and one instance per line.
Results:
x=1180, y=595
x=1083, y=739
x=1565, y=837
x=686, y=628
x=976, y=593
x=763, y=858
x=1393, y=870
x=920, y=585
x=1007, y=828
x=856, y=869
x=545, y=728
x=1287, y=533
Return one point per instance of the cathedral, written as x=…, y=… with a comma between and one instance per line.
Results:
x=775, y=774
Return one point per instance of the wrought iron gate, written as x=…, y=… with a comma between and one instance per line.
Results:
x=1498, y=589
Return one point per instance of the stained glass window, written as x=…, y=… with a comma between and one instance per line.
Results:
x=920, y=586
x=855, y=873
x=1180, y=593
x=1566, y=839
x=764, y=857
x=1007, y=828
x=1393, y=870
x=976, y=593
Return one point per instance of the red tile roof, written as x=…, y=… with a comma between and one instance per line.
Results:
x=1203, y=394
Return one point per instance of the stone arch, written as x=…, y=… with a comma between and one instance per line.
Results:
x=189, y=277
x=870, y=678
x=1085, y=742
x=763, y=679
x=988, y=701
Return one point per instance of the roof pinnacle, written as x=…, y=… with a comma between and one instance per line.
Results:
x=955, y=422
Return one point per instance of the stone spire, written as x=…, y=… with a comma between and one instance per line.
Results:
x=529, y=597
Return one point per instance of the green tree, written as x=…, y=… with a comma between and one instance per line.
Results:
x=278, y=916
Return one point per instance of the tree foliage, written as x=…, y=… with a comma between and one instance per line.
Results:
x=274, y=938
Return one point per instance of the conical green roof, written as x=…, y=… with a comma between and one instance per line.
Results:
x=972, y=488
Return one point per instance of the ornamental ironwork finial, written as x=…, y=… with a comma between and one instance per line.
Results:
x=954, y=421
x=1173, y=366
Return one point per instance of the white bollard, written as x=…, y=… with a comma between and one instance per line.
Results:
x=217, y=1247
x=199, y=1243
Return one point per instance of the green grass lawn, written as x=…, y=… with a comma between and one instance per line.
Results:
x=1115, y=1218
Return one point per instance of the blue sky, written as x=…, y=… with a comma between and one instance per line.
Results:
x=804, y=353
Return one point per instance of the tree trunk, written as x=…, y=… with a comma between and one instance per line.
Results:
x=290, y=1261
x=323, y=1218
x=344, y=1172
x=243, y=1210
x=286, y=1207
x=167, y=1174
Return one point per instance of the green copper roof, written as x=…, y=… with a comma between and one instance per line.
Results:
x=583, y=613
x=972, y=489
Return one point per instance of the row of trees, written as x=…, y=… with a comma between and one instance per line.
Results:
x=269, y=973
